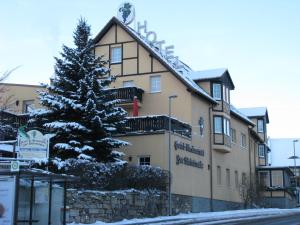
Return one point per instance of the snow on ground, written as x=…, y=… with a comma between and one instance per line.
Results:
x=211, y=216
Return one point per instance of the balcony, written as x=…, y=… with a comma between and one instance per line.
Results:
x=127, y=94
x=155, y=124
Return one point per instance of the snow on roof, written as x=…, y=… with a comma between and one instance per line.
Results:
x=282, y=149
x=239, y=114
x=8, y=148
x=207, y=74
x=183, y=73
x=255, y=111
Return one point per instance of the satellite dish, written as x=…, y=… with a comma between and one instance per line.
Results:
x=126, y=13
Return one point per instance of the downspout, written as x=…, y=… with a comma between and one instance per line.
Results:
x=210, y=161
x=250, y=167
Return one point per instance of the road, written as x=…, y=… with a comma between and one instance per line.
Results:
x=278, y=220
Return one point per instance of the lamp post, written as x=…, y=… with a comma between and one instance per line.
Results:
x=294, y=157
x=170, y=155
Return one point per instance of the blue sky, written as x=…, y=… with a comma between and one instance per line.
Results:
x=258, y=41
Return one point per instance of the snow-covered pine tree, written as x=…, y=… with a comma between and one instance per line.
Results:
x=78, y=109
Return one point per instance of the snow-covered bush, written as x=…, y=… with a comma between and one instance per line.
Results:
x=116, y=176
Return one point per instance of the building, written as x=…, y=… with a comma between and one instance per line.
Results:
x=186, y=122
x=215, y=147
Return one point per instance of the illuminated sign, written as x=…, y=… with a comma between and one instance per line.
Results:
x=151, y=37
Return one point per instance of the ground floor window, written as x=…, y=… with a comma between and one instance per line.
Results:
x=264, y=179
x=144, y=160
x=277, y=178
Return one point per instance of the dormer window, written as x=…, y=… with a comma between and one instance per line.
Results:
x=217, y=91
x=260, y=126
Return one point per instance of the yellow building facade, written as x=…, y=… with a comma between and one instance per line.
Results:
x=214, y=148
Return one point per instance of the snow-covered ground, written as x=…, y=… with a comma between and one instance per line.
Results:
x=204, y=217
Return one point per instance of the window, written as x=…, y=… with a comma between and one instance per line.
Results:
x=219, y=178
x=277, y=178
x=155, y=84
x=233, y=135
x=236, y=178
x=218, y=124
x=244, y=179
x=217, y=94
x=260, y=126
x=226, y=94
x=128, y=83
x=228, y=177
x=243, y=140
x=28, y=106
x=145, y=160
x=264, y=179
x=226, y=127
x=261, y=151
x=116, y=55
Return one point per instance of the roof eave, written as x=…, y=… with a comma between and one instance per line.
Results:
x=241, y=118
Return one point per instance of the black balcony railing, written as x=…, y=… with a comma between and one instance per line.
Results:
x=13, y=119
x=146, y=124
x=127, y=94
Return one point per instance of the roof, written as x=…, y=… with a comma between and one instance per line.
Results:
x=39, y=174
x=182, y=75
x=286, y=168
x=212, y=74
x=240, y=115
x=23, y=85
x=255, y=112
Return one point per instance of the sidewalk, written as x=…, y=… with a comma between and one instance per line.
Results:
x=203, y=217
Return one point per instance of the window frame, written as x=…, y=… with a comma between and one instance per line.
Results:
x=214, y=91
x=144, y=163
x=236, y=179
x=245, y=138
x=261, y=150
x=260, y=126
x=268, y=182
x=219, y=175
x=233, y=140
x=151, y=83
x=228, y=182
x=275, y=173
x=220, y=128
x=26, y=104
x=113, y=58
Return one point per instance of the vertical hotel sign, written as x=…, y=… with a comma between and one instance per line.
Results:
x=7, y=197
x=33, y=145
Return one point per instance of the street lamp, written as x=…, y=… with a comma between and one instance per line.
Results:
x=294, y=157
x=170, y=155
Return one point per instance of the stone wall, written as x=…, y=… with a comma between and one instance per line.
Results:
x=90, y=206
x=109, y=206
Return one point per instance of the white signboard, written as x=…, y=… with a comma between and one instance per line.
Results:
x=34, y=145
x=7, y=198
